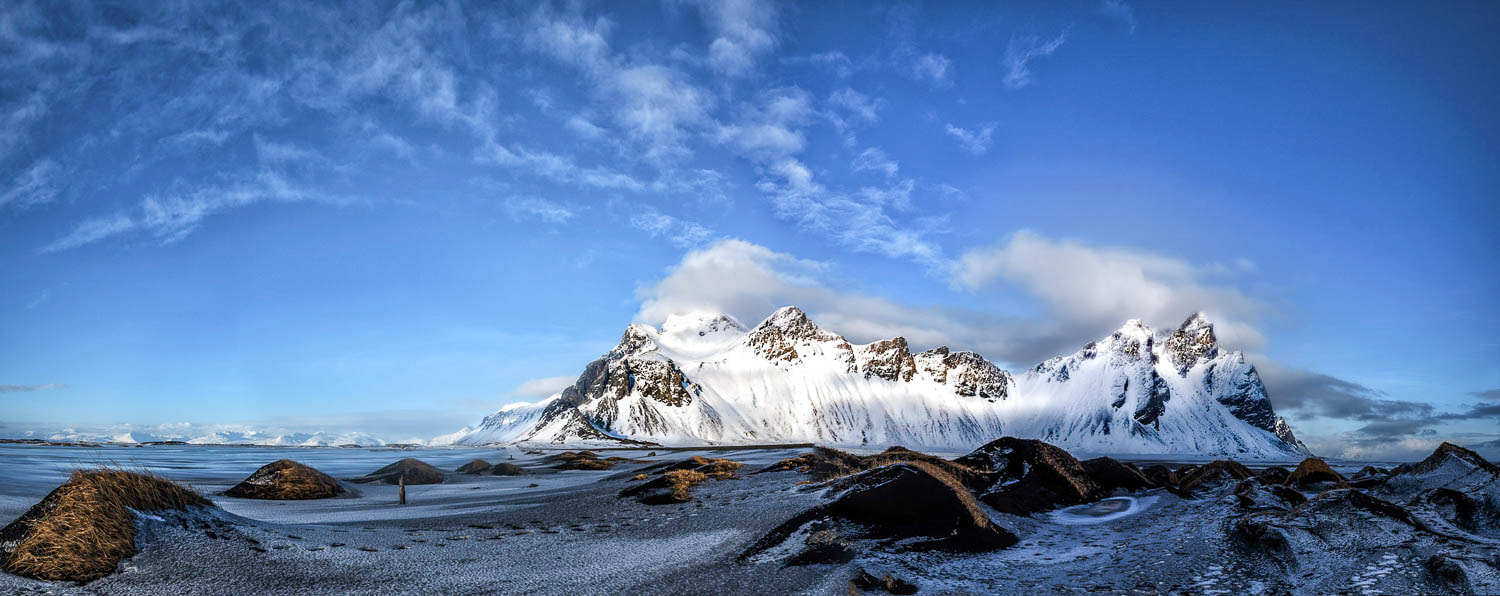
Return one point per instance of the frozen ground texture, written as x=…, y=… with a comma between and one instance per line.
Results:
x=572, y=533
x=706, y=379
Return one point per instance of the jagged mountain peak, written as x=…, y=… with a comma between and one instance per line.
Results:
x=637, y=339
x=789, y=317
x=1193, y=341
x=1195, y=322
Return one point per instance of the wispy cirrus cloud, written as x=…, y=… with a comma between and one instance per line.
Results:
x=974, y=141
x=31, y=388
x=1021, y=51
x=538, y=209
x=33, y=186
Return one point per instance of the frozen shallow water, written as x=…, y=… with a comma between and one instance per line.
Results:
x=1099, y=512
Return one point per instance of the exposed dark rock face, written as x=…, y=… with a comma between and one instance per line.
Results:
x=1193, y=340
x=968, y=373
x=414, y=471
x=1113, y=476
x=1155, y=403
x=1312, y=472
x=1032, y=476
x=1214, y=474
x=287, y=480
x=898, y=502
x=507, y=469
x=475, y=466
x=777, y=337
x=888, y=359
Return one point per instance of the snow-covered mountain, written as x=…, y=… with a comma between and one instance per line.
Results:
x=204, y=435
x=706, y=379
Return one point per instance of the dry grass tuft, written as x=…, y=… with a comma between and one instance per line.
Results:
x=716, y=468
x=677, y=480
x=682, y=482
x=85, y=527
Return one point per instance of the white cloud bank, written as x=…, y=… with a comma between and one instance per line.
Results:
x=1084, y=291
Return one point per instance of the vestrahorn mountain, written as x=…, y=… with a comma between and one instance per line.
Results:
x=706, y=379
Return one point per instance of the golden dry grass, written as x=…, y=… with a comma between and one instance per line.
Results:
x=682, y=482
x=716, y=468
x=85, y=527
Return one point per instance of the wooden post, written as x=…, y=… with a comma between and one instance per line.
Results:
x=401, y=488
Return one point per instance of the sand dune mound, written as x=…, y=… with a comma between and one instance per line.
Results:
x=1216, y=473
x=824, y=463
x=287, y=480
x=913, y=503
x=1313, y=471
x=85, y=527
x=415, y=471
x=475, y=466
x=1111, y=475
x=507, y=469
x=1033, y=476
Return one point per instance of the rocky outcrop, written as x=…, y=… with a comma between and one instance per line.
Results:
x=968, y=373
x=286, y=480
x=778, y=337
x=1192, y=341
x=1031, y=476
x=889, y=359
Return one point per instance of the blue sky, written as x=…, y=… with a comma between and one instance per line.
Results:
x=397, y=217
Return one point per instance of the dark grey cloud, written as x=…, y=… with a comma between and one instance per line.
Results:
x=1490, y=394
x=1302, y=392
x=1316, y=394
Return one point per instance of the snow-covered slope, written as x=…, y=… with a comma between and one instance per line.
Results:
x=704, y=378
